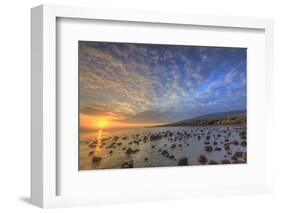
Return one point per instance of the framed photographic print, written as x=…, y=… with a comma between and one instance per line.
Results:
x=149, y=106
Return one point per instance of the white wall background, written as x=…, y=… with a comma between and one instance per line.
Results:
x=15, y=103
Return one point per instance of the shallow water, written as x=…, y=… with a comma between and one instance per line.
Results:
x=162, y=146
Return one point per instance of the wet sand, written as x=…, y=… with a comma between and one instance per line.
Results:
x=164, y=146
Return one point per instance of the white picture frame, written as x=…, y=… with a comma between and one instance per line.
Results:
x=44, y=149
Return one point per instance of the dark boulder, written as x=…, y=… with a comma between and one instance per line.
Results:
x=128, y=164
x=208, y=148
x=243, y=143
x=155, y=137
x=96, y=159
x=202, y=159
x=90, y=153
x=225, y=162
x=243, y=135
x=212, y=162
x=226, y=146
x=131, y=151
x=238, y=154
x=183, y=162
x=238, y=161
x=217, y=149
x=235, y=143
x=165, y=153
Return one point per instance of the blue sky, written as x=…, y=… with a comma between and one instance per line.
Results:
x=160, y=83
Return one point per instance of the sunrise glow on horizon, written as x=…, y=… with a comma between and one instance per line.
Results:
x=88, y=123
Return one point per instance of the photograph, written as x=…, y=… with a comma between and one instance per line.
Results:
x=147, y=105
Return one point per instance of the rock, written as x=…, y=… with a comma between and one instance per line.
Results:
x=146, y=159
x=131, y=151
x=172, y=157
x=90, y=153
x=128, y=164
x=208, y=148
x=225, y=162
x=235, y=143
x=155, y=137
x=183, y=162
x=202, y=159
x=173, y=146
x=105, y=139
x=234, y=157
x=226, y=146
x=93, y=145
x=180, y=145
x=215, y=143
x=153, y=146
x=165, y=153
x=119, y=144
x=237, y=161
x=243, y=135
x=238, y=154
x=96, y=159
x=212, y=162
x=110, y=152
x=217, y=149
x=243, y=143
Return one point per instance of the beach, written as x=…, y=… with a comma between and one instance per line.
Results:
x=163, y=146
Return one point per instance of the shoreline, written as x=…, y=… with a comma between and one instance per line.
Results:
x=166, y=146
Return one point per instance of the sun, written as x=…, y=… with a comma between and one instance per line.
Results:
x=102, y=123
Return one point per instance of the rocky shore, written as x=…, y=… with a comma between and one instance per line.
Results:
x=166, y=146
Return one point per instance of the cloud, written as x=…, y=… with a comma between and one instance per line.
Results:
x=158, y=82
x=230, y=76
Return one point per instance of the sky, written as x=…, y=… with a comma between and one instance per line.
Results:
x=124, y=84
